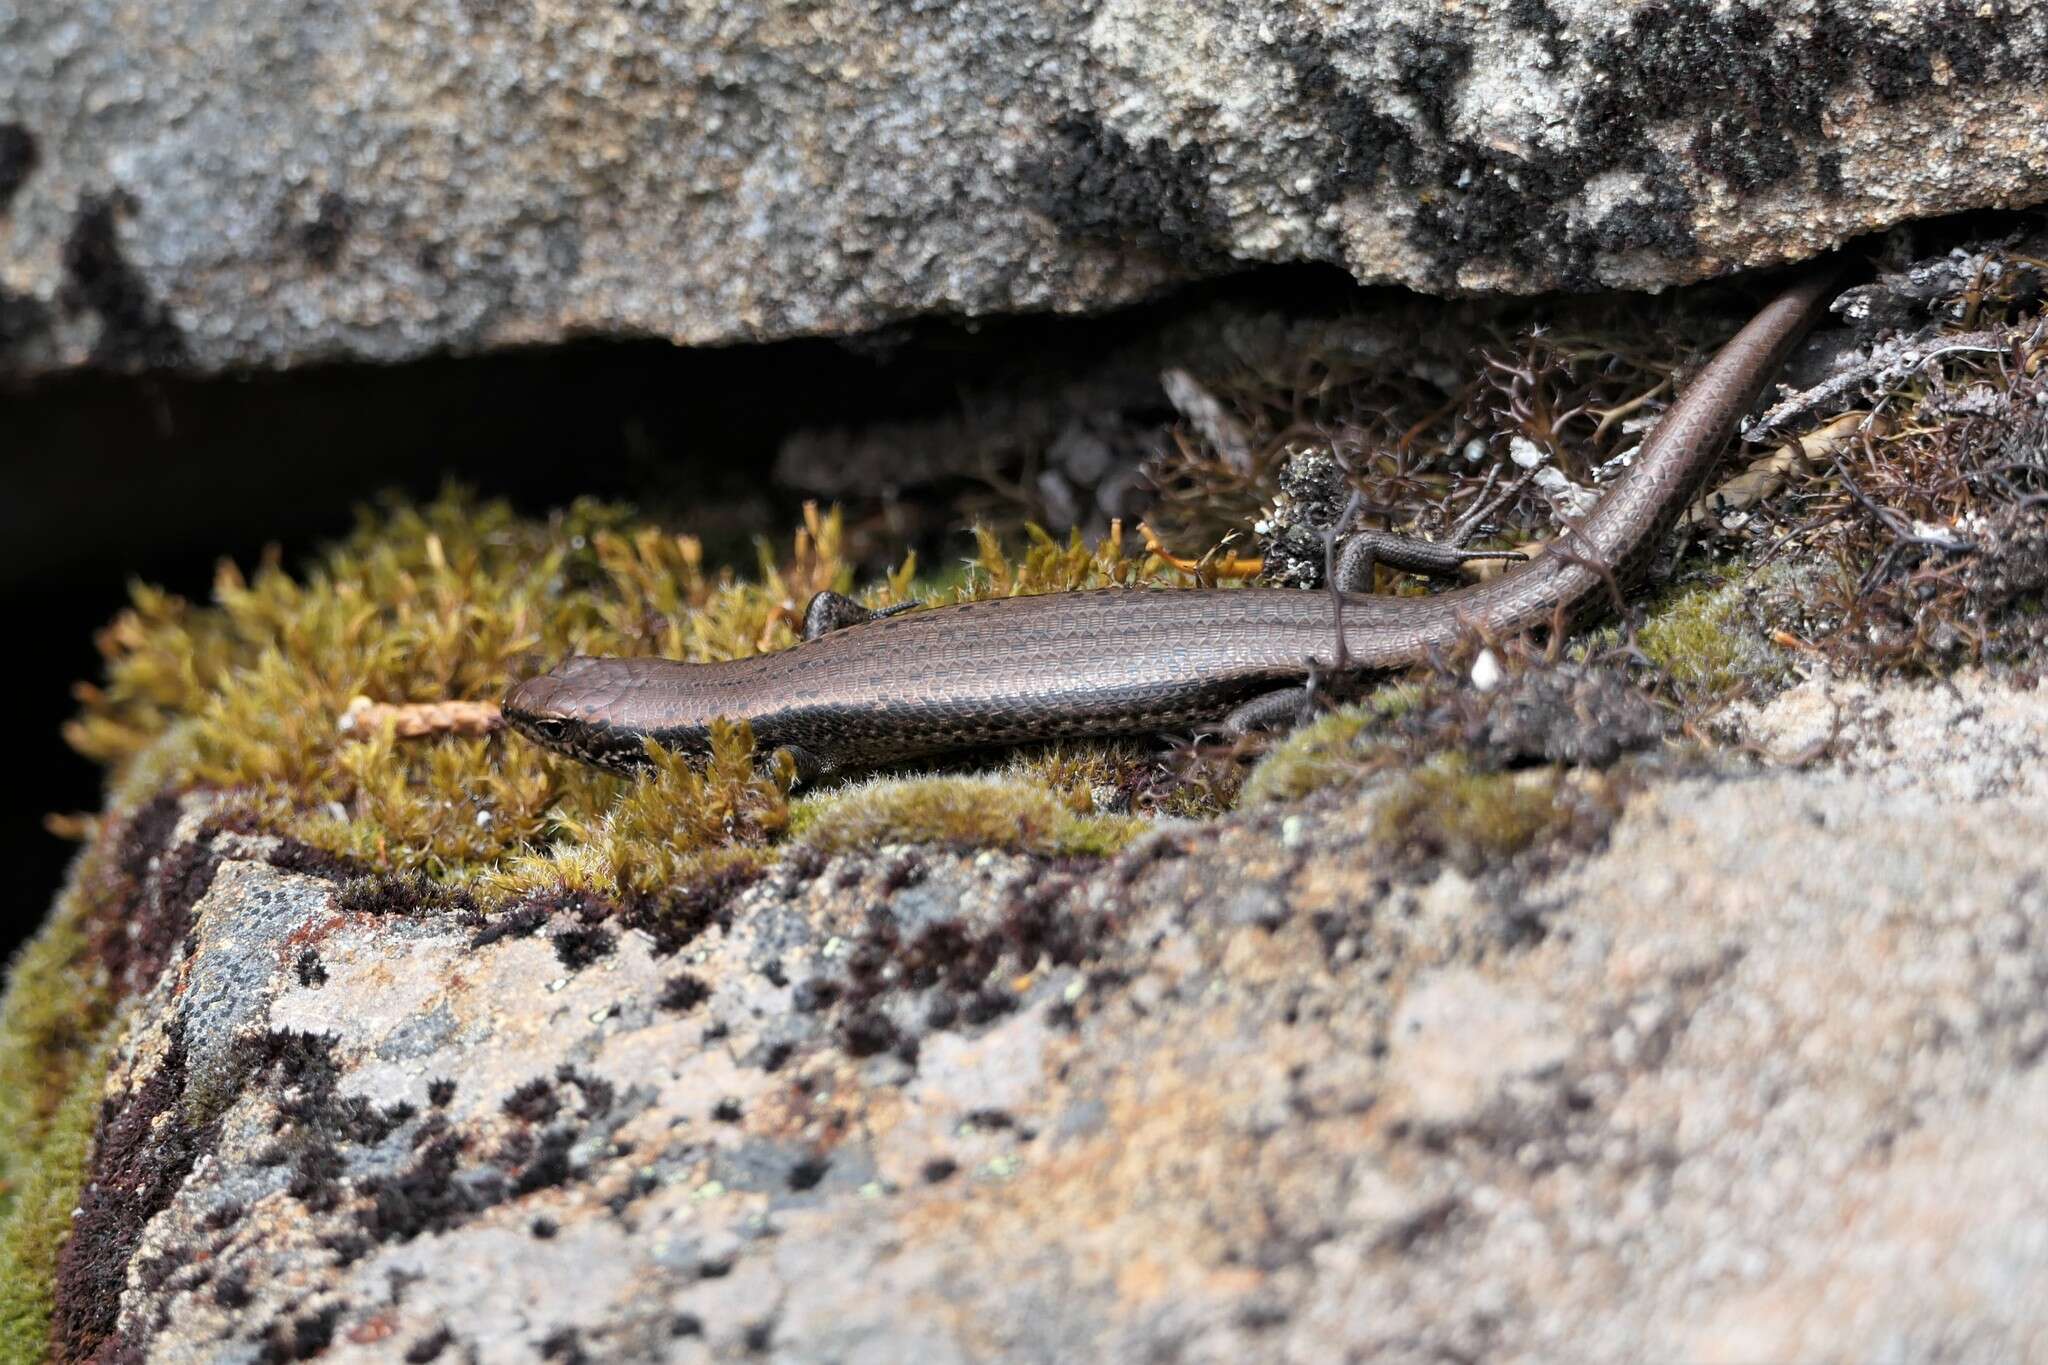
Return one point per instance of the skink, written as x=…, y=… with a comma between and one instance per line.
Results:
x=1121, y=661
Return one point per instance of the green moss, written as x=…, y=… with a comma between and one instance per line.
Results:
x=1131, y=775
x=1339, y=746
x=671, y=823
x=50, y=1020
x=44, y=1184
x=965, y=812
x=1444, y=810
x=1440, y=810
x=454, y=600
x=57, y=1027
x=1699, y=637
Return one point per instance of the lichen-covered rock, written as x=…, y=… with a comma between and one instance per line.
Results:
x=1758, y=1081
x=242, y=183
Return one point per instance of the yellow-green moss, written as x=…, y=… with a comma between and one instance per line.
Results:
x=1131, y=774
x=1471, y=820
x=1696, y=635
x=453, y=600
x=50, y=1020
x=1333, y=748
x=43, y=1187
x=672, y=822
x=969, y=812
x=1438, y=809
x=57, y=1026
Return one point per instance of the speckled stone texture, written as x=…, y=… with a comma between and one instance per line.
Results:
x=244, y=183
x=1760, y=1081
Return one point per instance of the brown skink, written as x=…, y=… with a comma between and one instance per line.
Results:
x=1121, y=661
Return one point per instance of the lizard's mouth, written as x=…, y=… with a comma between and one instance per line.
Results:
x=587, y=741
x=556, y=711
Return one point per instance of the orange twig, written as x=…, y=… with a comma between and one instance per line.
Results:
x=1225, y=566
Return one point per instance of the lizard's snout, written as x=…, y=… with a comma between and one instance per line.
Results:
x=532, y=698
x=550, y=693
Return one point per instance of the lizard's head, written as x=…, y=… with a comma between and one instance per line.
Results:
x=566, y=709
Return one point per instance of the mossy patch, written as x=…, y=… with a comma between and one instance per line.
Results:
x=1444, y=812
x=674, y=822
x=1132, y=776
x=1529, y=710
x=44, y=1170
x=453, y=600
x=50, y=1021
x=1436, y=808
x=1341, y=745
x=57, y=1029
x=960, y=812
x=1697, y=636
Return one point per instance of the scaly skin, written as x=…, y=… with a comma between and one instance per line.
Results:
x=1121, y=661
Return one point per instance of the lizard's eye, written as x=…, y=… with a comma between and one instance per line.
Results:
x=550, y=727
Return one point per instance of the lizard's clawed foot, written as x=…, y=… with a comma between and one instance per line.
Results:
x=830, y=611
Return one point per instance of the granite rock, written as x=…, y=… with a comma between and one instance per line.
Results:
x=242, y=184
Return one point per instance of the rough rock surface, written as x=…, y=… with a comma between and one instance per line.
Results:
x=253, y=184
x=1759, y=1081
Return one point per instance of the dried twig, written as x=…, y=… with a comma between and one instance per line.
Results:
x=420, y=719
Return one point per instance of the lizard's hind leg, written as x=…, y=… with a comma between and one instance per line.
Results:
x=1365, y=549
